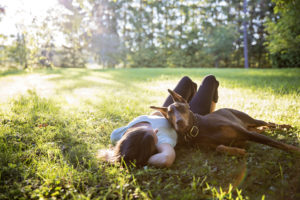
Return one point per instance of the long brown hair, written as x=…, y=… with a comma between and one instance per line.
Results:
x=135, y=147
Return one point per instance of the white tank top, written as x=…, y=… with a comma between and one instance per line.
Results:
x=165, y=134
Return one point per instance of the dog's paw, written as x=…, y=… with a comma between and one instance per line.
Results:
x=285, y=126
x=274, y=126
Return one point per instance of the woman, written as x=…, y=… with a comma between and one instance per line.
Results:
x=150, y=139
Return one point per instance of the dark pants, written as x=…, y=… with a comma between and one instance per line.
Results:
x=200, y=101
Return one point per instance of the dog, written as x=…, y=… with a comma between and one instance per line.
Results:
x=226, y=130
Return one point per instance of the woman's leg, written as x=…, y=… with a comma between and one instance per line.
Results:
x=186, y=88
x=206, y=97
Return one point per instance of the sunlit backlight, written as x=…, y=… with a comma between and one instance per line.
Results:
x=20, y=13
x=13, y=86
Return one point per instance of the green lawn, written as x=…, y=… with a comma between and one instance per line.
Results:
x=52, y=122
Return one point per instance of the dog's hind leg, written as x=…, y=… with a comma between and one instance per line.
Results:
x=233, y=151
x=248, y=120
x=259, y=138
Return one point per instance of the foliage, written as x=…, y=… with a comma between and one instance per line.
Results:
x=220, y=44
x=28, y=45
x=52, y=126
x=19, y=51
x=191, y=33
x=130, y=33
x=283, y=40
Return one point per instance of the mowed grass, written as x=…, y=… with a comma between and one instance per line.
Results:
x=52, y=122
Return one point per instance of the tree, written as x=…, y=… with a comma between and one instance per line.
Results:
x=283, y=40
x=246, y=65
x=220, y=44
x=73, y=26
x=3, y=50
x=168, y=33
x=2, y=11
x=19, y=51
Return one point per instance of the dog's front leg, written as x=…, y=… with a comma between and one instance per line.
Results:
x=274, y=126
x=257, y=130
x=270, y=126
x=233, y=151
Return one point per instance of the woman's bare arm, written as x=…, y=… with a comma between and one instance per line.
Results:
x=165, y=156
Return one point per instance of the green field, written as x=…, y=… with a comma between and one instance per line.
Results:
x=52, y=122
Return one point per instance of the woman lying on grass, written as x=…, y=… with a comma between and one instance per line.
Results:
x=150, y=139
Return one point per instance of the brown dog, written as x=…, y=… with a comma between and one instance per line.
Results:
x=225, y=129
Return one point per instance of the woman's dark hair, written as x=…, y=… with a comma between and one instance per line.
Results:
x=136, y=146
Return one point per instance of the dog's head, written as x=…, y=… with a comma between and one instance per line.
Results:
x=178, y=113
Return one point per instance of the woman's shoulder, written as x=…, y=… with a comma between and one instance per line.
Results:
x=150, y=116
x=153, y=119
x=146, y=118
x=117, y=134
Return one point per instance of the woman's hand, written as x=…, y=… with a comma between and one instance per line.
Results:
x=165, y=156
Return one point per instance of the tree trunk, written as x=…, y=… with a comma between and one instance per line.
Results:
x=245, y=35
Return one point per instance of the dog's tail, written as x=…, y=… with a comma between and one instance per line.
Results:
x=259, y=138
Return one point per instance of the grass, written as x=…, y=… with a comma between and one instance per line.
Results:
x=53, y=121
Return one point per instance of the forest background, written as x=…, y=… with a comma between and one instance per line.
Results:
x=148, y=33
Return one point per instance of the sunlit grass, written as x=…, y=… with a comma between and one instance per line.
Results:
x=53, y=121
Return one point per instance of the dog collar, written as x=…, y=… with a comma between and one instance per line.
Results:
x=193, y=132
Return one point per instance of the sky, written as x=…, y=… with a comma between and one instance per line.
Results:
x=22, y=12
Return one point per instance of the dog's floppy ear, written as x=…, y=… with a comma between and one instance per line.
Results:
x=163, y=110
x=176, y=97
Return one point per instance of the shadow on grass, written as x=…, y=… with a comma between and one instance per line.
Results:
x=268, y=171
x=42, y=150
x=82, y=78
x=12, y=72
x=279, y=81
